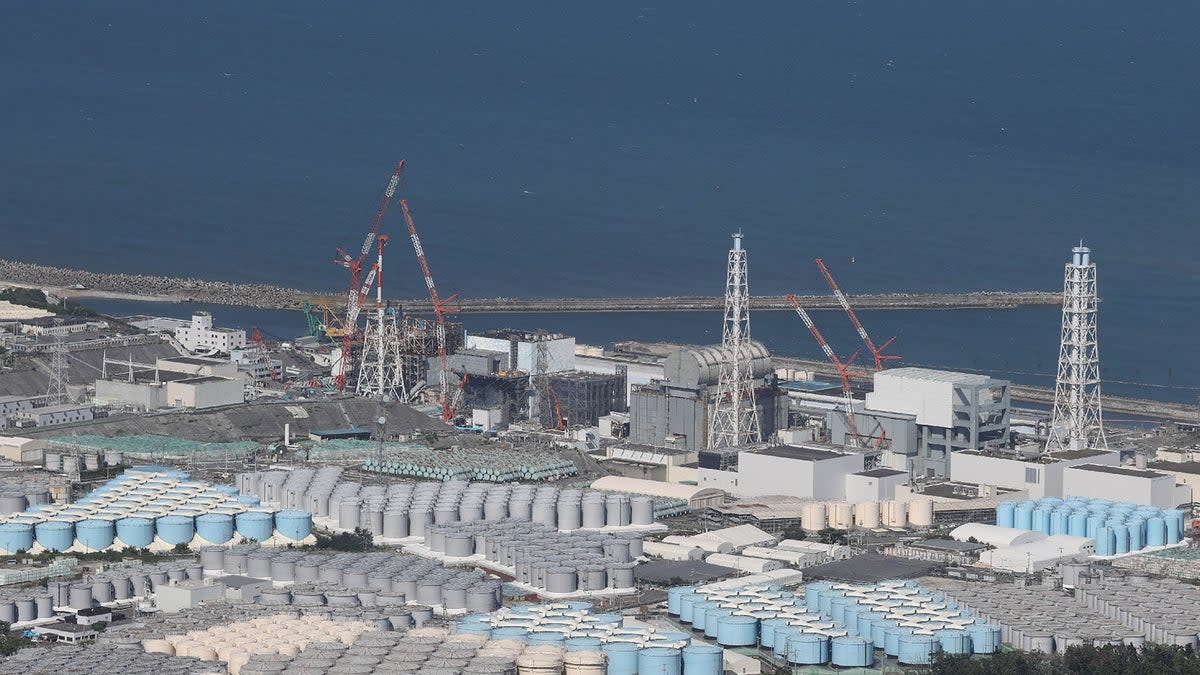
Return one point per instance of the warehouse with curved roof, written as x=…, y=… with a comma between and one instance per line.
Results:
x=696, y=497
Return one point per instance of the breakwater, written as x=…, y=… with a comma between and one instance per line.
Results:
x=82, y=284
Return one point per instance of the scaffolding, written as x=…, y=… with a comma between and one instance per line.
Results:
x=586, y=397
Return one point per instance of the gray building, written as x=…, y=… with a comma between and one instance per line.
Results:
x=675, y=411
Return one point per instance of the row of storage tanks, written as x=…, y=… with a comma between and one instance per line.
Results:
x=841, y=624
x=894, y=513
x=481, y=463
x=18, y=494
x=403, y=509
x=620, y=647
x=1115, y=611
x=541, y=556
x=382, y=579
x=100, y=658
x=1117, y=527
x=141, y=508
x=74, y=462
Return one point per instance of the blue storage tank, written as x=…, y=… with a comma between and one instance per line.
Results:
x=891, y=640
x=703, y=659
x=851, y=651
x=1077, y=524
x=230, y=490
x=826, y=605
x=712, y=621
x=674, y=593
x=737, y=631
x=1094, y=523
x=55, y=535
x=767, y=628
x=1060, y=522
x=547, y=637
x=1137, y=537
x=215, y=528
x=1120, y=539
x=664, y=660
x=622, y=657
x=1156, y=532
x=808, y=649
x=1104, y=541
x=1005, y=514
x=700, y=613
x=879, y=629
x=1174, y=520
x=16, y=537
x=1024, y=516
x=985, y=638
x=294, y=525
x=249, y=500
x=474, y=628
x=852, y=613
x=583, y=644
x=135, y=532
x=954, y=641
x=609, y=619
x=94, y=534
x=782, y=637
x=255, y=525
x=687, y=606
x=813, y=593
x=510, y=633
x=918, y=650
x=175, y=529
x=837, y=610
x=1041, y=520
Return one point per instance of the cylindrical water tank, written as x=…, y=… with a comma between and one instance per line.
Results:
x=1005, y=514
x=807, y=649
x=1156, y=532
x=102, y=590
x=26, y=610
x=703, y=659
x=212, y=558
x=215, y=528
x=840, y=515
x=1077, y=524
x=258, y=565
x=894, y=513
x=12, y=502
x=1174, y=521
x=852, y=651
x=1136, y=533
x=917, y=649
x=294, y=525
x=81, y=596
x=954, y=641
x=1060, y=522
x=866, y=515
x=1041, y=519
x=45, y=606
x=55, y=535
x=176, y=529
x=659, y=660
x=1105, y=541
x=985, y=638
x=583, y=663
x=622, y=657
x=920, y=512
x=812, y=516
x=641, y=510
x=1023, y=518
x=255, y=525
x=95, y=534
x=16, y=537
x=737, y=631
x=135, y=532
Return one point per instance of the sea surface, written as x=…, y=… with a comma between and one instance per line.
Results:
x=611, y=148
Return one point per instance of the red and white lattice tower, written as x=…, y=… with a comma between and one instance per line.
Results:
x=1076, y=422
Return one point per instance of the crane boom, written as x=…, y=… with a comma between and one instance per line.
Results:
x=357, y=294
x=876, y=352
x=843, y=368
x=440, y=309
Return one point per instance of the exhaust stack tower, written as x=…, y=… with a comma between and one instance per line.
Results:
x=735, y=415
x=1076, y=422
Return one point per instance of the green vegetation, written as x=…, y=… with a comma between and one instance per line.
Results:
x=794, y=532
x=32, y=297
x=831, y=535
x=358, y=540
x=45, y=557
x=10, y=643
x=1086, y=660
x=100, y=626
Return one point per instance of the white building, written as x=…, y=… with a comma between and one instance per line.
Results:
x=520, y=349
x=1124, y=484
x=25, y=450
x=804, y=471
x=697, y=497
x=875, y=485
x=201, y=336
x=197, y=366
x=204, y=392
x=954, y=412
x=1038, y=555
x=1041, y=477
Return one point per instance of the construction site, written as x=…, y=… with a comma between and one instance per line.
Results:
x=543, y=470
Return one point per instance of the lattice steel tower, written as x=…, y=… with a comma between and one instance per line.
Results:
x=735, y=415
x=56, y=392
x=1076, y=422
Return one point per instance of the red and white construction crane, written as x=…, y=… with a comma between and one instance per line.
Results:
x=876, y=352
x=357, y=294
x=843, y=368
x=441, y=307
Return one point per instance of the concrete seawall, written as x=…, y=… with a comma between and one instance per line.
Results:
x=83, y=284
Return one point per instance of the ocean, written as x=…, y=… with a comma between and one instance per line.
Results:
x=562, y=149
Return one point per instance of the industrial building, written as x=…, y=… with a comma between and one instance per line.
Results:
x=810, y=471
x=51, y=414
x=696, y=497
x=1039, y=476
x=672, y=465
x=201, y=336
x=953, y=412
x=519, y=349
x=677, y=410
x=1138, y=486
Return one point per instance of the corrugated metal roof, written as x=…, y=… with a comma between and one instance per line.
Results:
x=653, y=488
x=930, y=375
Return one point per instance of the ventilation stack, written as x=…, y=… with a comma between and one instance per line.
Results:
x=735, y=414
x=1076, y=421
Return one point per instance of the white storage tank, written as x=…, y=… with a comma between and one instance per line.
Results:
x=812, y=516
x=920, y=512
x=866, y=515
x=840, y=515
x=894, y=513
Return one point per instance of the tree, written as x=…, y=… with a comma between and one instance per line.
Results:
x=794, y=532
x=100, y=626
x=181, y=549
x=831, y=535
x=360, y=539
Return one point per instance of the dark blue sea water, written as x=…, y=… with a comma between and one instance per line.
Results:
x=558, y=148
